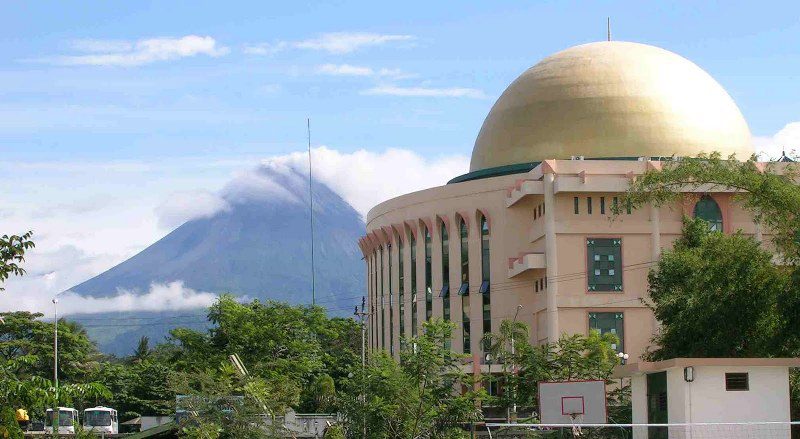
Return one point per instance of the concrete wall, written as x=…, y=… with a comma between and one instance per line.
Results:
x=708, y=401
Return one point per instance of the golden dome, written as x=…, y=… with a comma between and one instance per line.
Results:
x=611, y=99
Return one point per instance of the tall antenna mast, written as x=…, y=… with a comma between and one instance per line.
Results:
x=608, y=27
x=311, y=214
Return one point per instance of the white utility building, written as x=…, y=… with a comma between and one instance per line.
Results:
x=750, y=395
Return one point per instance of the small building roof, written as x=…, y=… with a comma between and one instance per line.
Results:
x=657, y=366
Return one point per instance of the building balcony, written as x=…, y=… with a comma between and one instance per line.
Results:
x=525, y=262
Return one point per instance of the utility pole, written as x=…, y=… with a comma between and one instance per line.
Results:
x=363, y=316
x=311, y=214
x=56, y=412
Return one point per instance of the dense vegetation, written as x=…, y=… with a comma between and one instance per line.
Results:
x=297, y=358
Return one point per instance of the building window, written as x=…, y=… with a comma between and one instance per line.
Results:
x=739, y=381
x=484, y=290
x=401, y=278
x=609, y=323
x=383, y=305
x=577, y=205
x=391, y=302
x=371, y=292
x=602, y=205
x=413, y=245
x=589, y=205
x=708, y=210
x=464, y=290
x=604, y=264
x=428, y=276
x=445, y=294
x=375, y=293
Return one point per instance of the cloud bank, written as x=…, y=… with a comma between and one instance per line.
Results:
x=786, y=140
x=180, y=207
x=449, y=92
x=333, y=43
x=172, y=296
x=136, y=53
x=359, y=177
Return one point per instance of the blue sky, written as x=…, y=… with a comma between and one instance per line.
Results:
x=240, y=104
x=116, y=116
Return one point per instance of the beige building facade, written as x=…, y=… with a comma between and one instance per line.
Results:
x=532, y=222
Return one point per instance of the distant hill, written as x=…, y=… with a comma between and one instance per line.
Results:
x=258, y=248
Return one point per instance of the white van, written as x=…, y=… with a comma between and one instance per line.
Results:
x=67, y=419
x=101, y=420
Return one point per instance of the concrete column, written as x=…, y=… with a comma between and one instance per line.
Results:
x=551, y=257
x=655, y=232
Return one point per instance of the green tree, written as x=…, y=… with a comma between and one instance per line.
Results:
x=35, y=393
x=12, y=255
x=769, y=191
x=218, y=403
x=25, y=334
x=142, y=351
x=717, y=295
x=273, y=339
x=140, y=388
x=500, y=351
x=426, y=394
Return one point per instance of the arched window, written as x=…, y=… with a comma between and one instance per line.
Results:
x=707, y=209
x=401, y=287
x=383, y=304
x=464, y=290
x=445, y=293
x=484, y=290
x=413, y=248
x=428, y=276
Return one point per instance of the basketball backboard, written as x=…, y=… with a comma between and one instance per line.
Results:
x=572, y=402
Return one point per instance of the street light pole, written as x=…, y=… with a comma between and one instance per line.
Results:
x=363, y=316
x=56, y=414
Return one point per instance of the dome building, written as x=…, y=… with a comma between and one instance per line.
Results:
x=530, y=224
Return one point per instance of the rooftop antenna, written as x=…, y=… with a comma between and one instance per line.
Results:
x=608, y=27
x=311, y=212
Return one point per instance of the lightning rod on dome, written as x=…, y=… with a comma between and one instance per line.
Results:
x=608, y=27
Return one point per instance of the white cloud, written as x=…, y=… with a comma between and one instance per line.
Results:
x=183, y=206
x=786, y=140
x=172, y=296
x=256, y=184
x=351, y=70
x=360, y=176
x=265, y=48
x=347, y=42
x=451, y=92
x=344, y=70
x=334, y=42
x=145, y=51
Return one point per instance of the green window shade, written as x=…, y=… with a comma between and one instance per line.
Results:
x=604, y=264
x=609, y=322
x=708, y=210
